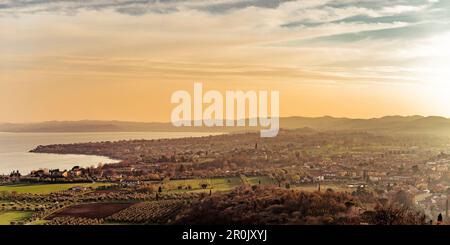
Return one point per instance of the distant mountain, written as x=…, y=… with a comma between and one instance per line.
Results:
x=388, y=124
x=91, y=126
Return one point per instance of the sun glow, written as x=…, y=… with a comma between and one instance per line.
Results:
x=434, y=72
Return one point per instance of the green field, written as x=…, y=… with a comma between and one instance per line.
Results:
x=323, y=187
x=45, y=188
x=421, y=197
x=265, y=180
x=226, y=184
x=216, y=184
x=8, y=216
x=38, y=222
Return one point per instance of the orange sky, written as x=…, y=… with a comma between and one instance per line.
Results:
x=73, y=61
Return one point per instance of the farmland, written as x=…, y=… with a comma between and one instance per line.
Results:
x=46, y=188
x=306, y=187
x=54, y=204
x=215, y=184
x=148, y=212
x=142, y=202
x=264, y=180
x=323, y=187
x=6, y=217
x=91, y=210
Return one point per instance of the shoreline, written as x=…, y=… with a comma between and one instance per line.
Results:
x=15, y=152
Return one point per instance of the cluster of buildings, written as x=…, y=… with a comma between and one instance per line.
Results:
x=56, y=174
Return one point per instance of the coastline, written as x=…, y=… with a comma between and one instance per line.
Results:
x=16, y=152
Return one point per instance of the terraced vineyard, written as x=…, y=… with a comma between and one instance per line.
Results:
x=154, y=212
x=73, y=221
x=90, y=210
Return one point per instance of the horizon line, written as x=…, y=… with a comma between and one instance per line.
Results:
x=283, y=117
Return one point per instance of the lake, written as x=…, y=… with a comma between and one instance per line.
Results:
x=14, y=148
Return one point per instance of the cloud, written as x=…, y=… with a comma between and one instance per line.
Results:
x=375, y=4
x=135, y=7
x=408, y=32
x=73, y=6
x=224, y=7
x=364, y=19
x=294, y=35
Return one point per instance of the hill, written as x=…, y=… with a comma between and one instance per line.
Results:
x=388, y=124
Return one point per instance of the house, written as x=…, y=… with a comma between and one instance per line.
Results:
x=76, y=171
x=38, y=173
x=78, y=188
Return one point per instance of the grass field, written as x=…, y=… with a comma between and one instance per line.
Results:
x=8, y=216
x=45, y=188
x=217, y=184
x=323, y=187
x=226, y=184
x=38, y=222
x=265, y=180
x=421, y=197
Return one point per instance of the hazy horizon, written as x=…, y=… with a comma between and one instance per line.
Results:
x=322, y=116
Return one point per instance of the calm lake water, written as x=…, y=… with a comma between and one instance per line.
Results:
x=14, y=148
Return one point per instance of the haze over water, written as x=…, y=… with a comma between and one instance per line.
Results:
x=15, y=147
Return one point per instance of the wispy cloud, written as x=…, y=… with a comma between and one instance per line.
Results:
x=247, y=31
x=334, y=43
x=134, y=7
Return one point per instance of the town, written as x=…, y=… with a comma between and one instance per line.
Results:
x=159, y=180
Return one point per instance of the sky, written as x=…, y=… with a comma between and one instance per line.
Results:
x=122, y=59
